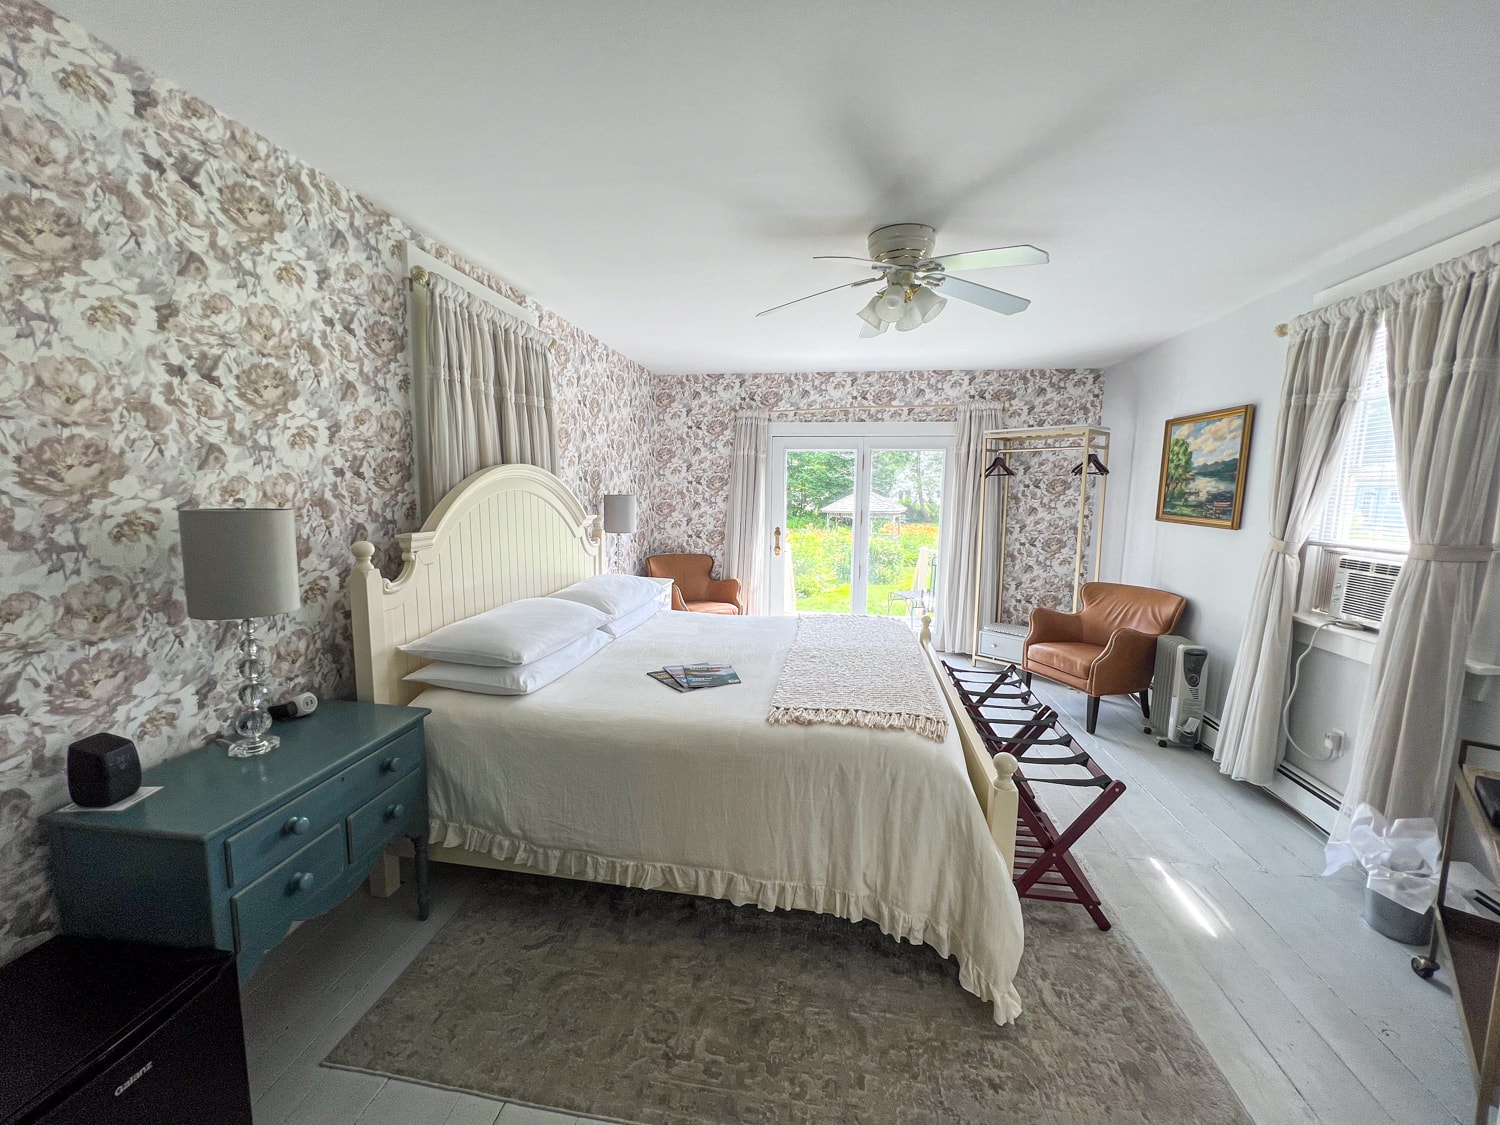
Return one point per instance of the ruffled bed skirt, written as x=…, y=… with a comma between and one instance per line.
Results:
x=742, y=890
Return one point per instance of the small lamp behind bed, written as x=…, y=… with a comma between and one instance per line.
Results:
x=619, y=514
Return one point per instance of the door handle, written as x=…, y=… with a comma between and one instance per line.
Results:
x=776, y=549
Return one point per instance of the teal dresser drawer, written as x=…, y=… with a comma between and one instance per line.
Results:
x=389, y=764
x=401, y=808
x=266, y=909
x=271, y=839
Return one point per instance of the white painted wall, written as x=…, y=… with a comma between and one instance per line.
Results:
x=1230, y=361
x=1328, y=695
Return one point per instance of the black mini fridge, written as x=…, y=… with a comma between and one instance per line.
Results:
x=119, y=1033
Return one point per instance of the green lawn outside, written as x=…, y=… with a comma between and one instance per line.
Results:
x=822, y=555
x=836, y=600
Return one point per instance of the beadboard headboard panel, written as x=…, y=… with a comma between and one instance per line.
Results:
x=510, y=532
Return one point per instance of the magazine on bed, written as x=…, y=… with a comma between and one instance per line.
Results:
x=662, y=676
x=692, y=677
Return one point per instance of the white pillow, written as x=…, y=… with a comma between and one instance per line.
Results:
x=516, y=633
x=613, y=594
x=638, y=616
x=519, y=679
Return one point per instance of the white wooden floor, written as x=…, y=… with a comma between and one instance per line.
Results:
x=1311, y=1015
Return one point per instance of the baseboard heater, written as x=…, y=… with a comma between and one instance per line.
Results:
x=1300, y=791
x=1308, y=783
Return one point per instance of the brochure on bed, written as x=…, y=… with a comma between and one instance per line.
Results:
x=599, y=777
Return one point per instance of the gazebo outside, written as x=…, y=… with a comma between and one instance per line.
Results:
x=843, y=508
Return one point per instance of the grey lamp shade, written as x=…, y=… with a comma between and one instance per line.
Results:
x=619, y=514
x=239, y=562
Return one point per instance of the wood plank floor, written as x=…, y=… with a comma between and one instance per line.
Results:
x=1313, y=1016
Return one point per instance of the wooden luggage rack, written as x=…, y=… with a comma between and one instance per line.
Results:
x=1011, y=720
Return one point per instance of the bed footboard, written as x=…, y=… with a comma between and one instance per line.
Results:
x=991, y=777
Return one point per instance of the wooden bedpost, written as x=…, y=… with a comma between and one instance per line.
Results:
x=371, y=652
x=1005, y=808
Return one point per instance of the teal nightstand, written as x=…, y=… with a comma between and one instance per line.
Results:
x=232, y=851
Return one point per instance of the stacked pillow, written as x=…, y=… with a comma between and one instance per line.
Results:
x=511, y=649
x=628, y=599
x=524, y=645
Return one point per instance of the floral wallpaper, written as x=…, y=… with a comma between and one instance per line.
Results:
x=692, y=438
x=190, y=314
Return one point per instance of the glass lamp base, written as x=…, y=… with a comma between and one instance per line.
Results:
x=251, y=747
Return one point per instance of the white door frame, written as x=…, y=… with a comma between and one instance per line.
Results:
x=863, y=438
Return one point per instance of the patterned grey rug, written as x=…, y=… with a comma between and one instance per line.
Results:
x=650, y=1007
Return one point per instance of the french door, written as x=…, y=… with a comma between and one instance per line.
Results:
x=856, y=516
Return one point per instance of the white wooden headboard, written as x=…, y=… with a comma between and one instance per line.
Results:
x=513, y=531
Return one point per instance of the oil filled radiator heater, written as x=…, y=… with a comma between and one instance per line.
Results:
x=1178, y=688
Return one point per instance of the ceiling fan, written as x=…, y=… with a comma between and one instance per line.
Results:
x=901, y=255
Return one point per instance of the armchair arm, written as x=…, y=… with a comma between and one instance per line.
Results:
x=678, y=602
x=725, y=590
x=1125, y=665
x=1050, y=625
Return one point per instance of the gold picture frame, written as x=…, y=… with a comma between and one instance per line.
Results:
x=1210, y=491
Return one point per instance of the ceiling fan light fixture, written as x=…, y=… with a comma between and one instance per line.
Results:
x=890, y=306
x=927, y=303
x=911, y=318
x=870, y=316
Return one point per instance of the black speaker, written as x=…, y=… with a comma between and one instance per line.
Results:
x=102, y=769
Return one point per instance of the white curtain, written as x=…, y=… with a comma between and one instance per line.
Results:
x=957, y=577
x=1326, y=361
x=745, y=545
x=1443, y=328
x=1484, y=642
x=483, y=391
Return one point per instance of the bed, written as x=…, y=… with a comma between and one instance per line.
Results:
x=606, y=776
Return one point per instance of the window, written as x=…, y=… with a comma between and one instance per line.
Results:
x=1364, y=505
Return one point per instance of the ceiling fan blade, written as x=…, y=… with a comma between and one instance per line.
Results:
x=989, y=259
x=982, y=295
x=819, y=293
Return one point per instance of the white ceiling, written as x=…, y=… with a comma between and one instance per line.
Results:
x=659, y=171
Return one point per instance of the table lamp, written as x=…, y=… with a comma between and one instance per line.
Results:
x=240, y=564
x=619, y=514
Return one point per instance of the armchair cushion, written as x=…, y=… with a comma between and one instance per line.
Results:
x=713, y=607
x=1072, y=658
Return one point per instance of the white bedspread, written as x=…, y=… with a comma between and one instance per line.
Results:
x=607, y=775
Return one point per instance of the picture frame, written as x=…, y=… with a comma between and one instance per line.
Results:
x=1203, y=473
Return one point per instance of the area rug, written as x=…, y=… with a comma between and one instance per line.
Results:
x=648, y=1007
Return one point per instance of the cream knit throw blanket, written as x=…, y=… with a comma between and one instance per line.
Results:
x=858, y=672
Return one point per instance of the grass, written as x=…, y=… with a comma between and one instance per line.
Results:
x=836, y=600
x=822, y=558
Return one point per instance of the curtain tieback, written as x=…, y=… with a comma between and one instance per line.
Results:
x=1455, y=553
x=1282, y=547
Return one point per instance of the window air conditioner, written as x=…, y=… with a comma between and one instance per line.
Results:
x=1361, y=587
x=1178, y=688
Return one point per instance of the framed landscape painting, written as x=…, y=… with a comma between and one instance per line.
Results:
x=1203, y=458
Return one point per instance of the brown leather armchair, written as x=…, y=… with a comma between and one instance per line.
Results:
x=693, y=587
x=1106, y=648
